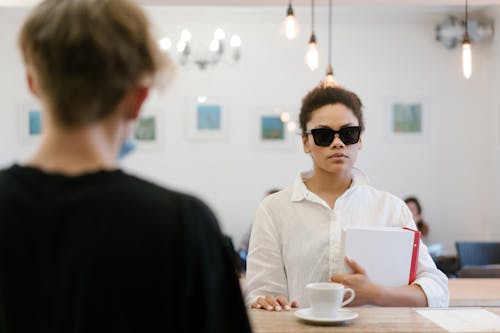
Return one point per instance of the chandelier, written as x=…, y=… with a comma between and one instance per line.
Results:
x=204, y=56
x=452, y=32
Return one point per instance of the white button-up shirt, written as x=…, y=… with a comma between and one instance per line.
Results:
x=296, y=239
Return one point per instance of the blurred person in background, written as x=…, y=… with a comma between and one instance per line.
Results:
x=416, y=210
x=435, y=249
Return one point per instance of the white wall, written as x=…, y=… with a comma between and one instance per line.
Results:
x=492, y=141
x=379, y=54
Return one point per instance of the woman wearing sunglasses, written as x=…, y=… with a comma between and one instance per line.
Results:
x=296, y=233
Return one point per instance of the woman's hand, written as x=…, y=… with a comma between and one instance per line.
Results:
x=271, y=303
x=366, y=291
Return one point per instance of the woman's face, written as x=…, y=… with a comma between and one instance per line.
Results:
x=337, y=158
x=414, y=210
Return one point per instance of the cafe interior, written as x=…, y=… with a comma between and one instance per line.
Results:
x=224, y=128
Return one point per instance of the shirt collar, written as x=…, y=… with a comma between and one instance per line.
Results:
x=300, y=189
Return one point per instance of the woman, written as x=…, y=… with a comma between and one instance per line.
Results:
x=296, y=233
x=84, y=246
x=416, y=210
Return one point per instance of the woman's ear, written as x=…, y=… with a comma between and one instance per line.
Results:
x=360, y=143
x=32, y=85
x=305, y=143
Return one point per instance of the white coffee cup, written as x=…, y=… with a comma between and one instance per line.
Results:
x=326, y=298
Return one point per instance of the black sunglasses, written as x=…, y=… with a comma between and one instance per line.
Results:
x=324, y=137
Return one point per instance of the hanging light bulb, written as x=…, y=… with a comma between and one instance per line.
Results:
x=214, y=45
x=466, y=47
x=183, y=43
x=165, y=43
x=329, y=80
x=219, y=34
x=185, y=35
x=235, y=41
x=290, y=27
x=466, y=58
x=285, y=117
x=291, y=126
x=312, y=55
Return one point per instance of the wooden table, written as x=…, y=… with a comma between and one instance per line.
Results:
x=474, y=292
x=371, y=319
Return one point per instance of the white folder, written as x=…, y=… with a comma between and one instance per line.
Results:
x=388, y=254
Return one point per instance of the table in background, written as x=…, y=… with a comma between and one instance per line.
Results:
x=474, y=292
x=370, y=319
x=481, y=271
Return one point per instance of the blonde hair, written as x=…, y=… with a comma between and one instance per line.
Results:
x=86, y=54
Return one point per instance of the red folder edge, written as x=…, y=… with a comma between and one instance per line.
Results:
x=414, y=255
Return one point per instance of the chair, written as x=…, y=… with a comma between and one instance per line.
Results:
x=478, y=259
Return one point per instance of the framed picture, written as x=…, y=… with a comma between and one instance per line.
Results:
x=148, y=132
x=497, y=129
x=274, y=128
x=30, y=123
x=408, y=118
x=206, y=119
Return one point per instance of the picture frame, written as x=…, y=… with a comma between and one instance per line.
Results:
x=148, y=133
x=274, y=128
x=407, y=118
x=497, y=129
x=30, y=123
x=206, y=118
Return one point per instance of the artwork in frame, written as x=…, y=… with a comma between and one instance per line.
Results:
x=497, y=122
x=408, y=118
x=35, y=122
x=274, y=128
x=148, y=131
x=30, y=123
x=206, y=118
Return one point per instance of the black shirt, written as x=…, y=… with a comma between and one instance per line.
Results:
x=107, y=251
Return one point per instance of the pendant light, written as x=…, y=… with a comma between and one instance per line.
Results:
x=312, y=56
x=466, y=46
x=329, y=79
x=290, y=27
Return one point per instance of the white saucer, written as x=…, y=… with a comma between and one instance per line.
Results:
x=342, y=315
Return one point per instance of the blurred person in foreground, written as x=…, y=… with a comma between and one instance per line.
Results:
x=85, y=247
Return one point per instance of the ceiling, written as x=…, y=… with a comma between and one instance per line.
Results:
x=349, y=3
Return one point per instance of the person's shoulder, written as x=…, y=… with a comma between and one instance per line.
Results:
x=162, y=203
x=152, y=193
x=140, y=186
x=8, y=176
x=380, y=195
x=278, y=198
x=4, y=176
x=7, y=172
